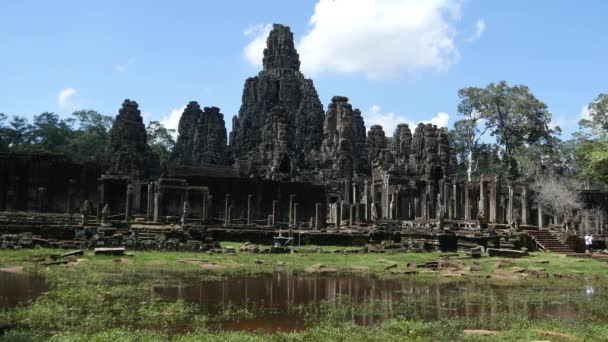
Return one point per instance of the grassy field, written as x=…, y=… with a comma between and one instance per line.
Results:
x=107, y=298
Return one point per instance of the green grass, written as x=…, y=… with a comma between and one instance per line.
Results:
x=102, y=298
x=511, y=328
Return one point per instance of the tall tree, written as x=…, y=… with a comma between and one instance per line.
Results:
x=511, y=114
x=90, y=137
x=592, y=142
x=160, y=139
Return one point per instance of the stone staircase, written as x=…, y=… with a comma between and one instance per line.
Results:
x=549, y=242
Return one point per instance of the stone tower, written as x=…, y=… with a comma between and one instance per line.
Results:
x=202, y=137
x=127, y=151
x=280, y=83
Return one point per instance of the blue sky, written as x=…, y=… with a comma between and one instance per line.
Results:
x=396, y=60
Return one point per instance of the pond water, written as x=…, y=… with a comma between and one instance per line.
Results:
x=17, y=288
x=283, y=302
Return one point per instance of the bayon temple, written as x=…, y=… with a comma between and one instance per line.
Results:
x=288, y=163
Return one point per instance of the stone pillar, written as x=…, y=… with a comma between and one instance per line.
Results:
x=319, y=221
x=291, y=197
x=338, y=215
x=128, y=202
x=366, y=201
x=346, y=195
x=524, y=205
x=157, y=202
x=540, y=216
x=493, y=202
x=295, y=214
x=355, y=197
x=482, y=198
x=204, y=208
x=510, y=205
x=150, y=202
x=431, y=201
x=227, y=210
x=275, y=206
x=467, y=203
x=229, y=216
x=454, y=202
x=136, y=205
x=351, y=215
x=42, y=205
x=249, y=198
x=424, y=204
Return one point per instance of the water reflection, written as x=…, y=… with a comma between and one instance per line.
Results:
x=280, y=298
x=16, y=288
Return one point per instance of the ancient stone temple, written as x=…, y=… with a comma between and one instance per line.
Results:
x=127, y=150
x=202, y=137
x=288, y=165
x=280, y=83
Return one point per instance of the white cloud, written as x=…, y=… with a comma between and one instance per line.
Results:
x=380, y=37
x=377, y=38
x=254, y=51
x=171, y=121
x=389, y=120
x=585, y=113
x=65, y=97
x=441, y=120
x=480, y=27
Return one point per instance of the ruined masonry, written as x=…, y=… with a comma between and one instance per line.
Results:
x=286, y=164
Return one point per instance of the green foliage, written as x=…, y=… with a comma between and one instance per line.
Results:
x=90, y=137
x=510, y=114
x=160, y=139
x=591, y=150
x=79, y=137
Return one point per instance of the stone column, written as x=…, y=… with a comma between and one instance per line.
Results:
x=128, y=202
x=204, y=208
x=467, y=203
x=229, y=216
x=510, y=205
x=524, y=205
x=42, y=199
x=275, y=206
x=493, y=205
x=366, y=201
x=150, y=201
x=249, y=198
x=319, y=222
x=355, y=197
x=137, y=198
x=351, y=215
x=482, y=198
x=338, y=215
x=295, y=214
x=431, y=201
x=291, y=197
x=227, y=210
x=540, y=216
x=157, y=202
x=454, y=203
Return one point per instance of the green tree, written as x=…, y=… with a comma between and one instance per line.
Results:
x=591, y=150
x=511, y=114
x=160, y=139
x=90, y=137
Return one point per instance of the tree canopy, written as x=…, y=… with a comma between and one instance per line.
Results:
x=512, y=115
